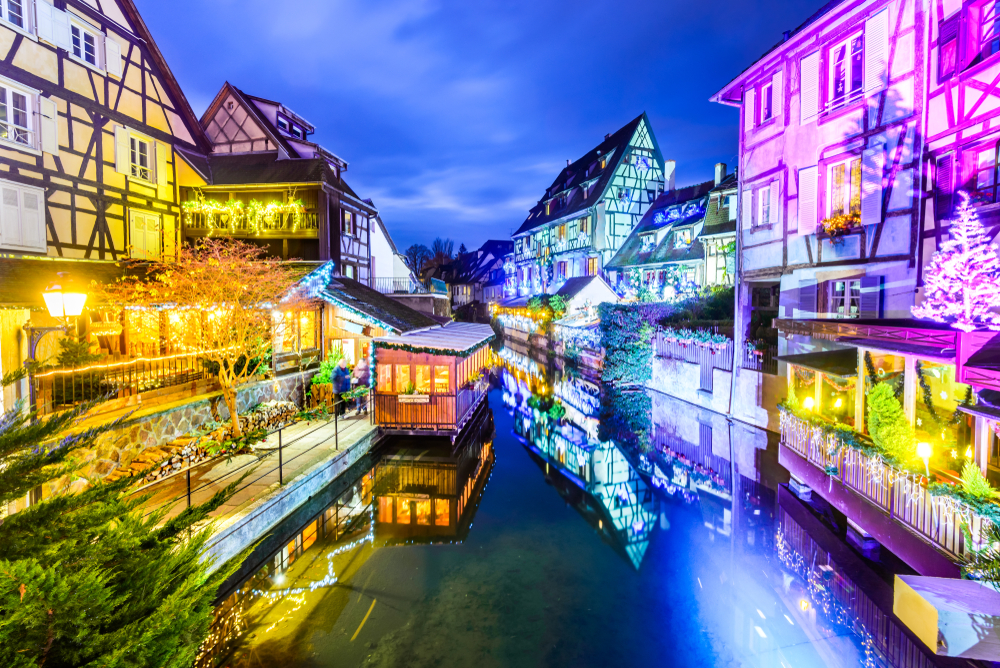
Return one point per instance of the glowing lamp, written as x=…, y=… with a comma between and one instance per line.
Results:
x=803, y=604
x=808, y=403
x=838, y=403
x=924, y=452
x=64, y=299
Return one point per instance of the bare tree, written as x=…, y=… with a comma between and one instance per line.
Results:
x=220, y=295
x=443, y=250
x=417, y=256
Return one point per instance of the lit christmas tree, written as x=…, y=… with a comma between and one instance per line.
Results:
x=962, y=284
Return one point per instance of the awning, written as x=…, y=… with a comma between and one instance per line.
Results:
x=904, y=347
x=842, y=363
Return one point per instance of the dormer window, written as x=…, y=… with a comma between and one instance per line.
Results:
x=282, y=124
x=682, y=238
x=647, y=242
x=290, y=128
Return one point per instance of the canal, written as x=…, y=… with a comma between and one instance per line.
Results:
x=569, y=526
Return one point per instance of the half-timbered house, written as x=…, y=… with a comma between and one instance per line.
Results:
x=265, y=181
x=590, y=209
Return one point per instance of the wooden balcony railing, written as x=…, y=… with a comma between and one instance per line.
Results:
x=902, y=495
x=302, y=224
x=441, y=413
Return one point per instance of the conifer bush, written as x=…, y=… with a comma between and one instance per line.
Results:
x=888, y=426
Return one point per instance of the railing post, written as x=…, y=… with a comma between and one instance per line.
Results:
x=281, y=476
x=189, y=483
x=336, y=425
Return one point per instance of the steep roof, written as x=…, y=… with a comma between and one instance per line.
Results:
x=475, y=267
x=673, y=209
x=393, y=314
x=586, y=168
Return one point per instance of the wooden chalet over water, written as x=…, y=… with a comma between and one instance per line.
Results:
x=430, y=381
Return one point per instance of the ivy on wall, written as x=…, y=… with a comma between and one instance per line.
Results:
x=627, y=336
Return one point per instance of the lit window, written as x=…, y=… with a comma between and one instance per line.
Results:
x=307, y=330
x=845, y=188
x=139, y=158
x=402, y=511
x=591, y=266
x=647, y=242
x=846, y=70
x=15, y=119
x=385, y=509
x=423, y=511
x=402, y=377
x=84, y=44
x=584, y=225
x=682, y=238
x=385, y=378
x=442, y=512
x=845, y=298
x=441, y=382
x=423, y=378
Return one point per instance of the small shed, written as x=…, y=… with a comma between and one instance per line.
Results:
x=430, y=381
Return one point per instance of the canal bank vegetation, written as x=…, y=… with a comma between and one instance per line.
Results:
x=86, y=578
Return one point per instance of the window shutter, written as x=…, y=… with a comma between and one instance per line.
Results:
x=48, y=125
x=152, y=237
x=945, y=181
x=43, y=14
x=808, y=297
x=876, y=52
x=774, y=217
x=161, y=164
x=872, y=164
x=871, y=297
x=746, y=209
x=807, y=200
x=60, y=29
x=809, y=87
x=749, y=110
x=32, y=229
x=112, y=57
x=777, y=99
x=10, y=216
x=731, y=206
x=122, y=151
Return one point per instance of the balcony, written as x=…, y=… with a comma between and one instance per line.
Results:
x=900, y=495
x=400, y=286
x=277, y=225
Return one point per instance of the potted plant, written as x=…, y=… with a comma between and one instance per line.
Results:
x=841, y=224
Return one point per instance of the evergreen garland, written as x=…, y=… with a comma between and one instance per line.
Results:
x=925, y=389
x=387, y=345
x=870, y=370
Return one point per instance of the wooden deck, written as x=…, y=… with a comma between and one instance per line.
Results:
x=442, y=415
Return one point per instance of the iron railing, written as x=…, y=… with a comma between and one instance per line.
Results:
x=763, y=357
x=58, y=389
x=903, y=496
x=399, y=286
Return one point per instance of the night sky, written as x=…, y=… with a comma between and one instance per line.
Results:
x=455, y=115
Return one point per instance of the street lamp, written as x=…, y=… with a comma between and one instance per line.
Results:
x=924, y=452
x=63, y=300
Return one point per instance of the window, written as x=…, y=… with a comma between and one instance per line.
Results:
x=423, y=376
x=22, y=217
x=845, y=188
x=561, y=270
x=144, y=235
x=347, y=227
x=990, y=31
x=423, y=513
x=15, y=115
x=139, y=158
x=349, y=270
x=15, y=12
x=441, y=380
x=84, y=44
x=402, y=377
x=591, y=266
x=937, y=418
x=282, y=124
x=731, y=205
x=845, y=298
x=948, y=48
x=766, y=101
x=847, y=70
x=442, y=512
x=682, y=238
x=986, y=176
x=561, y=232
x=385, y=378
x=585, y=225
x=308, y=335
x=647, y=242
x=764, y=207
x=402, y=511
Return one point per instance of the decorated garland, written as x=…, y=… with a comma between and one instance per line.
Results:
x=925, y=389
x=257, y=216
x=841, y=224
x=389, y=345
x=697, y=337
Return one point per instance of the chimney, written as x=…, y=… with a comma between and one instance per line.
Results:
x=607, y=136
x=669, y=167
x=720, y=172
x=567, y=162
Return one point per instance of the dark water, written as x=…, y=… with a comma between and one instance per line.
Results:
x=634, y=531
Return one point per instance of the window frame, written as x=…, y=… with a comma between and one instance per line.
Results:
x=841, y=305
x=87, y=28
x=765, y=93
x=139, y=138
x=976, y=198
x=852, y=166
x=31, y=98
x=30, y=27
x=850, y=96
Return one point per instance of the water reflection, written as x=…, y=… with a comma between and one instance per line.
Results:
x=711, y=561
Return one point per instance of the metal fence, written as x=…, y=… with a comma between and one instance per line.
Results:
x=762, y=358
x=399, y=286
x=59, y=389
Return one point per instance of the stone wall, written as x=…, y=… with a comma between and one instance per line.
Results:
x=151, y=429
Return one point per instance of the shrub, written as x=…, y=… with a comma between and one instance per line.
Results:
x=975, y=484
x=888, y=426
x=326, y=368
